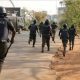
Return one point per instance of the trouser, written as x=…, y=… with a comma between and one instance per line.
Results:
x=53, y=35
x=32, y=38
x=40, y=33
x=71, y=42
x=45, y=40
x=64, y=42
x=3, y=49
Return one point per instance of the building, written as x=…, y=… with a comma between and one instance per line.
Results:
x=61, y=11
x=14, y=14
x=52, y=17
x=11, y=11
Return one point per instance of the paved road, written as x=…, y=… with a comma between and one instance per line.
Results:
x=24, y=62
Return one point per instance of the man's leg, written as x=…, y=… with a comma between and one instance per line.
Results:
x=53, y=36
x=30, y=38
x=3, y=49
x=34, y=40
x=43, y=43
x=72, y=43
x=64, y=46
x=48, y=44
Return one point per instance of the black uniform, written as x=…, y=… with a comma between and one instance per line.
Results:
x=5, y=26
x=46, y=35
x=33, y=29
x=63, y=33
x=72, y=34
x=53, y=28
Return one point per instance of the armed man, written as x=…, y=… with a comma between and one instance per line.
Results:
x=53, y=28
x=5, y=27
x=63, y=33
x=72, y=34
x=33, y=29
x=46, y=32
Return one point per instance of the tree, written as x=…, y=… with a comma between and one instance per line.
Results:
x=72, y=12
x=40, y=16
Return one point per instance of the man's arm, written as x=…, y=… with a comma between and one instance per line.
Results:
x=50, y=30
x=29, y=27
x=36, y=28
x=59, y=32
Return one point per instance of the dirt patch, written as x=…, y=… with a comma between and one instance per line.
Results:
x=68, y=67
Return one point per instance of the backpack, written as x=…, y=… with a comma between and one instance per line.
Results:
x=46, y=29
x=33, y=28
x=54, y=26
x=64, y=33
x=3, y=30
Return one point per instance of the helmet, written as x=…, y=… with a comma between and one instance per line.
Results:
x=3, y=11
x=54, y=23
x=64, y=25
x=47, y=22
x=72, y=26
x=34, y=21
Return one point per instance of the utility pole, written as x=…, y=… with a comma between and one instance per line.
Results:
x=12, y=3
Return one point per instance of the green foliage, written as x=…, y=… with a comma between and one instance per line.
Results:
x=72, y=12
x=40, y=16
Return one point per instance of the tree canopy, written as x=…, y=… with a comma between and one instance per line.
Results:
x=72, y=12
x=40, y=16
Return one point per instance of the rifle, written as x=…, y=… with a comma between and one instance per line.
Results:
x=8, y=49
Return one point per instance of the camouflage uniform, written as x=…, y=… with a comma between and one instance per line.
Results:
x=53, y=28
x=46, y=35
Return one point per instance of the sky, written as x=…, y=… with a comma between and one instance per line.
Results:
x=37, y=5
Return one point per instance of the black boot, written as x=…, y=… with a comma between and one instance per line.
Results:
x=70, y=48
x=42, y=50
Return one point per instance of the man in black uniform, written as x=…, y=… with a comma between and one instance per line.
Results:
x=40, y=28
x=33, y=28
x=5, y=26
x=53, y=28
x=63, y=33
x=46, y=31
x=72, y=34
